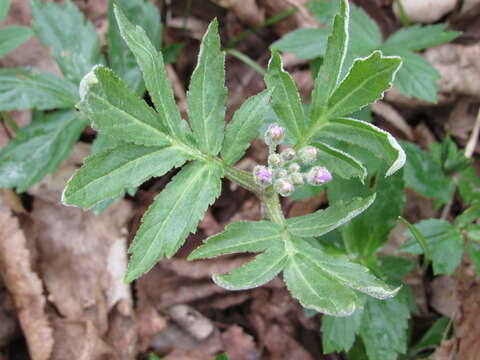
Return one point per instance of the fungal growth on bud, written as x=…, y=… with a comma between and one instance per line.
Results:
x=263, y=175
x=288, y=154
x=284, y=187
x=308, y=154
x=318, y=175
x=274, y=134
x=275, y=160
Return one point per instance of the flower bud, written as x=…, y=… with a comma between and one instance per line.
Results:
x=297, y=178
x=281, y=173
x=308, y=154
x=275, y=160
x=274, y=134
x=288, y=154
x=294, y=168
x=284, y=187
x=263, y=175
x=318, y=175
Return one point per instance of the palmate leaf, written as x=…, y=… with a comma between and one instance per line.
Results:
x=13, y=36
x=38, y=149
x=74, y=42
x=311, y=275
x=175, y=213
x=120, y=58
x=207, y=94
x=29, y=88
x=110, y=172
x=116, y=110
x=244, y=127
x=154, y=74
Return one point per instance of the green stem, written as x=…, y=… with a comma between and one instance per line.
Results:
x=247, y=60
x=242, y=178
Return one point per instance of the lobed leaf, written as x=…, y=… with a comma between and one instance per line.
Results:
x=329, y=74
x=27, y=88
x=244, y=126
x=286, y=100
x=300, y=42
x=207, y=93
x=116, y=110
x=175, y=213
x=13, y=36
x=154, y=74
x=339, y=162
x=38, y=149
x=324, y=221
x=338, y=333
x=257, y=272
x=74, y=42
x=109, y=173
x=365, y=83
x=368, y=136
x=120, y=58
x=243, y=236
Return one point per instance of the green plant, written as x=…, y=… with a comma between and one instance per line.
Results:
x=153, y=141
x=416, y=78
x=40, y=147
x=11, y=36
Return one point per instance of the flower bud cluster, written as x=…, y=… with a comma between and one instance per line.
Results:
x=284, y=170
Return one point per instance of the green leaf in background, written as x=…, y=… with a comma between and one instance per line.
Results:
x=468, y=216
x=444, y=242
x=38, y=149
x=223, y=356
x=120, y=58
x=13, y=36
x=338, y=333
x=243, y=127
x=339, y=162
x=469, y=185
x=383, y=329
x=74, y=42
x=473, y=249
x=433, y=337
x=368, y=136
x=286, y=100
x=417, y=235
x=300, y=43
x=365, y=83
x=324, y=221
x=154, y=74
x=243, y=236
x=207, y=93
x=174, y=214
x=4, y=6
x=116, y=110
x=109, y=173
x=28, y=88
x=424, y=175
x=257, y=272
x=329, y=74
x=418, y=37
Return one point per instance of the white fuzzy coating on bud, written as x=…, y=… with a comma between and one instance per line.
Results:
x=318, y=175
x=281, y=173
x=284, y=187
x=275, y=160
x=293, y=168
x=263, y=175
x=288, y=154
x=274, y=134
x=308, y=154
x=297, y=178
x=88, y=80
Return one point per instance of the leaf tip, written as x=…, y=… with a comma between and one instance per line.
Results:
x=87, y=81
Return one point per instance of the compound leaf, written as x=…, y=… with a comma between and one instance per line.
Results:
x=38, y=149
x=154, y=74
x=109, y=173
x=368, y=136
x=175, y=213
x=13, y=36
x=116, y=110
x=324, y=221
x=27, y=88
x=257, y=272
x=207, y=93
x=365, y=83
x=244, y=127
x=243, y=236
x=74, y=42
x=120, y=58
x=286, y=100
